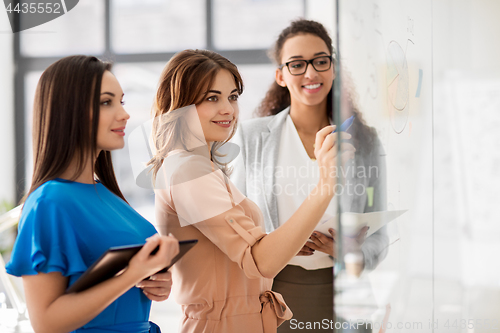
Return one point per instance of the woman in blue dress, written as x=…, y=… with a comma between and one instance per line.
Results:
x=75, y=211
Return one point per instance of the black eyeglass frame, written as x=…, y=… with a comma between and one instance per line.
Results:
x=310, y=61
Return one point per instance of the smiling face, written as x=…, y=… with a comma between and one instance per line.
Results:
x=312, y=87
x=219, y=110
x=112, y=115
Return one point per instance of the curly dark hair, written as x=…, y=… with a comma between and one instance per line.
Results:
x=278, y=98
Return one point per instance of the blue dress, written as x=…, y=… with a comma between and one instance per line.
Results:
x=65, y=226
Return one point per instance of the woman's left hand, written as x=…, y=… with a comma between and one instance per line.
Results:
x=157, y=288
x=323, y=243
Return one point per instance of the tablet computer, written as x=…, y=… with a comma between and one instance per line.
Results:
x=114, y=260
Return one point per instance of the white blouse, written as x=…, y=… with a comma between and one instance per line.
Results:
x=296, y=175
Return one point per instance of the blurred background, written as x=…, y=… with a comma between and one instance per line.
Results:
x=427, y=76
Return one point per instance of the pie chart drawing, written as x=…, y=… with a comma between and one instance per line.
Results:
x=397, y=86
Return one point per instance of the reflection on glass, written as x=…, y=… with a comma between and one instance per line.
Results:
x=251, y=24
x=71, y=33
x=139, y=83
x=157, y=25
x=362, y=233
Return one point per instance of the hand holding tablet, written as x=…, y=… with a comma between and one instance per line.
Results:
x=114, y=260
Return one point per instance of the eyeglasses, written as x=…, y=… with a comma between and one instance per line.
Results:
x=299, y=67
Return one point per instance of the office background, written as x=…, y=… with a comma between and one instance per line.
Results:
x=440, y=136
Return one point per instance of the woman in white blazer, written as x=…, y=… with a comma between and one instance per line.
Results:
x=276, y=166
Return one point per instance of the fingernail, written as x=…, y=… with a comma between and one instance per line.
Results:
x=152, y=277
x=139, y=285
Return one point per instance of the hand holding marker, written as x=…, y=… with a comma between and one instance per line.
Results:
x=346, y=124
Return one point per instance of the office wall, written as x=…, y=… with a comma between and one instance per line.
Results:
x=467, y=104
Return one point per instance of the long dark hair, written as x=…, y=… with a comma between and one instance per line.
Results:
x=186, y=74
x=65, y=121
x=278, y=98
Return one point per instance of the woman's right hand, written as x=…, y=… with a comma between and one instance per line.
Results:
x=144, y=264
x=326, y=150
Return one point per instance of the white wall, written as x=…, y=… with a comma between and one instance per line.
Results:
x=7, y=192
x=466, y=104
x=466, y=36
